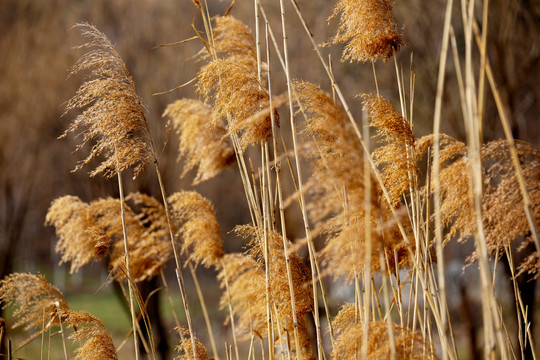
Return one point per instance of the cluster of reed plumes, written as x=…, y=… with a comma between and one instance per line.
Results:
x=378, y=220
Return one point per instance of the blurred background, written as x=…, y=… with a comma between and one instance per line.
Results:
x=37, y=47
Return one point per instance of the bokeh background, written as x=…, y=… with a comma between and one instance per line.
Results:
x=38, y=45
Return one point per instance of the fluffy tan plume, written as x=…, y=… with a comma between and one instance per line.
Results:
x=201, y=144
x=112, y=114
x=95, y=342
x=368, y=29
x=198, y=227
x=396, y=153
x=338, y=176
x=185, y=348
x=349, y=335
x=37, y=303
x=80, y=239
x=231, y=83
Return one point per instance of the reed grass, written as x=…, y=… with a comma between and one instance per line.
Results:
x=377, y=221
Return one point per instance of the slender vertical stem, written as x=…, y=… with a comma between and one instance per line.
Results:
x=179, y=276
x=277, y=168
x=204, y=310
x=131, y=284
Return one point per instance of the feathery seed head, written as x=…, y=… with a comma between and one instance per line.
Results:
x=199, y=227
x=80, y=239
x=396, y=155
x=349, y=335
x=368, y=29
x=95, y=342
x=185, y=348
x=232, y=83
x=201, y=144
x=112, y=113
x=35, y=300
x=148, y=243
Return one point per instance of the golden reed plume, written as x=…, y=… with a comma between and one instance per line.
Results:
x=231, y=82
x=185, y=348
x=368, y=29
x=202, y=144
x=198, y=228
x=80, y=239
x=40, y=305
x=396, y=153
x=91, y=231
x=340, y=207
x=349, y=335
x=95, y=342
x=113, y=115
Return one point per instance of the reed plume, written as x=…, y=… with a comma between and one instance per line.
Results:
x=185, y=348
x=95, y=342
x=35, y=300
x=112, y=114
x=349, y=335
x=80, y=238
x=338, y=173
x=396, y=153
x=504, y=216
x=246, y=278
x=280, y=286
x=199, y=228
x=231, y=82
x=457, y=211
x=148, y=242
x=202, y=144
x=246, y=285
x=368, y=29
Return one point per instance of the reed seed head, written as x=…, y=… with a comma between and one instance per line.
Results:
x=396, y=154
x=349, y=335
x=80, y=239
x=95, y=342
x=231, y=82
x=368, y=29
x=112, y=114
x=201, y=144
x=37, y=303
x=198, y=226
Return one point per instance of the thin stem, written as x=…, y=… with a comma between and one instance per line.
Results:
x=204, y=310
x=128, y=265
x=179, y=276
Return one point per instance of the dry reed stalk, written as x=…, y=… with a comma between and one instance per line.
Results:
x=202, y=145
x=114, y=115
x=368, y=28
x=202, y=237
x=277, y=168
